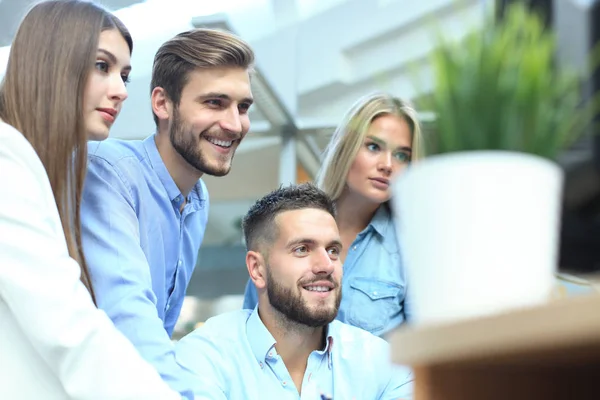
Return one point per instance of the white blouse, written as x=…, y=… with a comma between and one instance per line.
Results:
x=54, y=343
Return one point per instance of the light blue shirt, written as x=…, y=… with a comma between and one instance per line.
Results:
x=140, y=249
x=233, y=357
x=374, y=281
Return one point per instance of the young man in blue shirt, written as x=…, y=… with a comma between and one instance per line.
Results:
x=290, y=346
x=144, y=208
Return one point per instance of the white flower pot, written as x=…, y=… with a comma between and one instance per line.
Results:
x=478, y=232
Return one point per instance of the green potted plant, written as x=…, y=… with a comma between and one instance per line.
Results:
x=479, y=218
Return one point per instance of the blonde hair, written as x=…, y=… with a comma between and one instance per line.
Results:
x=350, y=135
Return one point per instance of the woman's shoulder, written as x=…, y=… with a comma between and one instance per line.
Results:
x=9, y=133
x=21, y=166
x=14, y=144
x=16, y=149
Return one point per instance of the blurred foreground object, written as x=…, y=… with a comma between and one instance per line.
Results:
x=485, y=209
x=549, y=352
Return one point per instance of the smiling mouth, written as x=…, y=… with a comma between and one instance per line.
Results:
x=221, y=143
x=318, y=288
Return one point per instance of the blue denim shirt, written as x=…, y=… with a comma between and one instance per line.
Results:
x=233, y=356
x=374, y=283
x=140, y=249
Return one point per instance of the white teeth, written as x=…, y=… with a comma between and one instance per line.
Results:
x=222, y=143
x=317, y=288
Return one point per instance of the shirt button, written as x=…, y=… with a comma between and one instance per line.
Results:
x=261, y=365
x=354, y=248
x=271, y=355
x=179, y=263
x=284, y=383
x=374, y=293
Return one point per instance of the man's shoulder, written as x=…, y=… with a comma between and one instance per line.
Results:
x=221, y=330
x=227, y=321
x=214, y=352
x=362, y=355
x=114, y=151
x=126, y=158
x=348, y=337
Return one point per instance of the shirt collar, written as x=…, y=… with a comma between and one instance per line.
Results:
x=197, y=194
x=381, y=220
x=260, y=339
x=263, y=343
x=328, y=345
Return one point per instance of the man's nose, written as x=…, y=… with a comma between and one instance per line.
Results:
x=323, y=263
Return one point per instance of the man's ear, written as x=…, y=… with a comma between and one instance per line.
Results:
x=161, y=105
x=255, y=263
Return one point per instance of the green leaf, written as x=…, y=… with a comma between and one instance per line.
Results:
x=500, y=89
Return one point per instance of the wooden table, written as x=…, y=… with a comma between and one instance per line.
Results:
x=548, y=352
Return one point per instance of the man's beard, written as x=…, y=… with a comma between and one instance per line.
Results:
x=187, y=145
x=294, y=307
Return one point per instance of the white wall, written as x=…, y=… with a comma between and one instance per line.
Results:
x=319, y=56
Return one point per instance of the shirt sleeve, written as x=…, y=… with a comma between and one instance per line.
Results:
x=400, y=386
x=395, y=382
x=120, y=271
x=40, y=284
x=398, y=379
x=250, y=296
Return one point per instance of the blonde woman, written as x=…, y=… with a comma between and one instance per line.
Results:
x=377, y=139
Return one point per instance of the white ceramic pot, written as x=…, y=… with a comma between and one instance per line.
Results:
x=478, y=232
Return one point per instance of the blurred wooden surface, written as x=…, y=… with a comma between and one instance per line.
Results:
x=548, y=352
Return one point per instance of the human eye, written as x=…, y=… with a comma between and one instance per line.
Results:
x=301, y=250
x=402, y=157
x=243, y=108
x=126, y=79
x=334, y=252
x=216, y=103
x=373, y=146
x=101, y=66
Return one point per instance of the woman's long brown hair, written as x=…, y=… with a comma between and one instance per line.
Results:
x=42, y=96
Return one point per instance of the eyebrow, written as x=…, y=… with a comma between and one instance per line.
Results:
x=111, y=57
x=223, y=96
x=298, y=241
x=384, y=144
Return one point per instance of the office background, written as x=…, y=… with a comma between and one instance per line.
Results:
x=314, y=59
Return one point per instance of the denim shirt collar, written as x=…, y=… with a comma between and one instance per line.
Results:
x=382, y=219
x=383, y=224
x=197, y=194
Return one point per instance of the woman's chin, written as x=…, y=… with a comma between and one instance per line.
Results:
x=97, y=134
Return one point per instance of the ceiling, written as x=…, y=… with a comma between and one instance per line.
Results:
x=12, y=11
